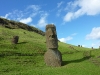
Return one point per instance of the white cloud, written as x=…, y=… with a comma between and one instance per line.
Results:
x=28, y=14
x=68, y=16
x=34, y=7
x=33, y=14
x=42, y=22
x=26, y=20
x=60, y=9
x=59, y=4
x=25, y=15
x=95, y=34
x=93, y=44
x=82, y=7
x=73, y=34
x=71, y=6
x=66, y=39
x=59, y=12
x=14, y=15
x=6, y=16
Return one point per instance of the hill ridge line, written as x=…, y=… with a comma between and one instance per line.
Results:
x=11, y=24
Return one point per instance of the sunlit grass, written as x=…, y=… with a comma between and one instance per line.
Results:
x=27, y=57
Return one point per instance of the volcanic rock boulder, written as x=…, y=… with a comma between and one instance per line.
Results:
x=53, y=56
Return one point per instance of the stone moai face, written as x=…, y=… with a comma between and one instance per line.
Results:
x=51, y=36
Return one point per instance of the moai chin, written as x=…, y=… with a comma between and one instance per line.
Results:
x=53, y=56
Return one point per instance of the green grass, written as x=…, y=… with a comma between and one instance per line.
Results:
x=27, y=57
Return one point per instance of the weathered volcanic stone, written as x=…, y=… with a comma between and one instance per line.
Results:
x=51, y=36
x=15, y=39
x=52, y=57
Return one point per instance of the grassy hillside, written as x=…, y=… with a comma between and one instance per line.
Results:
x=18, y=25
x=26, y=58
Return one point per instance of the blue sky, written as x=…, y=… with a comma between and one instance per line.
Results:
x=77, y=21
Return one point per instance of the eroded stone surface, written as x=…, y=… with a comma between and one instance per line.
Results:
x=51, y=37
x=52, y=57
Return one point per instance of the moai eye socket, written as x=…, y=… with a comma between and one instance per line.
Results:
x=53, y=36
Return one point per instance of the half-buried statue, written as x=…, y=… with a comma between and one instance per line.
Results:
x=53, y=56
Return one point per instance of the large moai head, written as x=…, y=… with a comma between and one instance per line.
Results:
x=51, y=36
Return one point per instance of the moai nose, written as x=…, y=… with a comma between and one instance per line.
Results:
x=52, y=33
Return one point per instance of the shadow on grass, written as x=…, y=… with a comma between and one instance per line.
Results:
x=76, y=61
x=22, y=42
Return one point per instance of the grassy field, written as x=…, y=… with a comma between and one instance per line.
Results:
x=27, y=57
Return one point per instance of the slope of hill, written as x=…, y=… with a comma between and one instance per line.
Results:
x=16, y=25
x=27, y=57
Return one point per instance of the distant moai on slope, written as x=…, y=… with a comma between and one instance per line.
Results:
x=53, y=56
x=92, y=48
x=15, y=39
x=78, y=45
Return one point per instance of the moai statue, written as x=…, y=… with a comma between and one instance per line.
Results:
x=78, y=45
x=53, y=56
x=15, y=39
x=92, y=47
